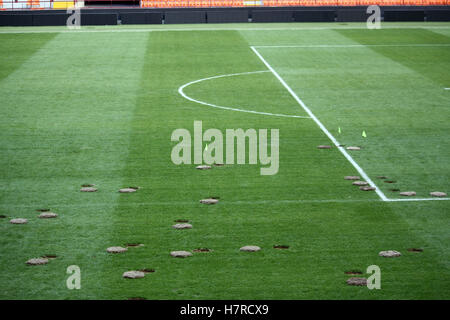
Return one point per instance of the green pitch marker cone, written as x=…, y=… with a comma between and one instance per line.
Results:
x=364, y=134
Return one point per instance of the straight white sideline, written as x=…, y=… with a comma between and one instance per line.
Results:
x=322, y=127
x=356, y=45
x=181, y=92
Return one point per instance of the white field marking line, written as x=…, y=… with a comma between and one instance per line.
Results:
x=446, y=88
x=322, y=127
x=181, y=92
x=215, y=29
x=356, y=45
x=333, y=139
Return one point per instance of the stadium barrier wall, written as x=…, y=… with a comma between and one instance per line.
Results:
x=219, y=15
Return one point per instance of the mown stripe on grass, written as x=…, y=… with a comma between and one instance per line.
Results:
x=15, y=49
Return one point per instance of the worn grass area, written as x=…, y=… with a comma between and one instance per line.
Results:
x=100, y=107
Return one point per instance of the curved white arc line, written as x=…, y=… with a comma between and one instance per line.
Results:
x=181, y=92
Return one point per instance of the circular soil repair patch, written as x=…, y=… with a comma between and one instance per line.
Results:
x=180, y=254
x=250, y=248
x=18, y=221
x=357, y=282
x=203, y=167
x=389, y=254
x=438, y=194
x=133, y=274
x=352, y=178
x=88, y=189
x=48, y=215
x=127, y=190
x=366, y=188
x=408, y=193
x=182, y=226
x=360, y=183
x=37, y=261
x=209, y=201
x=116, y=249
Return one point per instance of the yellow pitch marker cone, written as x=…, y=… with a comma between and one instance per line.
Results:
x=339, y=130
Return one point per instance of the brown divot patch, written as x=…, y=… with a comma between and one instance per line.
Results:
x=360, y=183
x=366, y=188
x=180, y=254
x=209, y=201
x=88, y=189
x=36, y=261
x=116, y=249
x=48, y=215
x=390, y=181
x=323, y=147
x=415, y=250
x=250, y=248
x=389, y=254
x=352, y=177
x=438, y=194
x=357, y=281
x=353, y=272
x=203, y=167
x=202, y=250
x=49, y=256
x=133, y=274
x=127, y=190
x=408, y=193
x=280, y=246
x=134, y=245
x=181, y=226
x=18, y=221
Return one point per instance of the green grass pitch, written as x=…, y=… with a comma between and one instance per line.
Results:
x=99, y=106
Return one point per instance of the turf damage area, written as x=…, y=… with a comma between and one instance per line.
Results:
x=108, y=116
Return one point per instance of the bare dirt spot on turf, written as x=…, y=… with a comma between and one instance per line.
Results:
x=18, y=221
x=127, y=190
x=390, y=181
x=281, y=246
x=180, y=254
x=147, y=270
x=48, y=215
x=181, y=226
x=415, y=250
x=366, y=188
x=49, y=256
x=116, y=249
x=389, y=254
x=352, y=177
x=203, y=167
x=408, y=193
x=250, y=248
x=323, y=147
x=36, y=261
x=88, y=189
x=438, y=194
x=134, y=245
x=357, y=282
x=202, y=250
x=353, y=272
x=209, y=201
x=133, y=274
x=182, y=220
x=360, y=183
